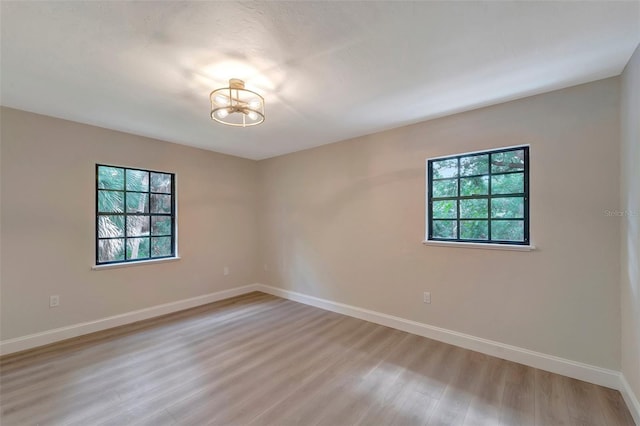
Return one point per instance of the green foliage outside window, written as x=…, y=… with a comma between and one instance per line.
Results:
x=481, y=197
x=135, y=214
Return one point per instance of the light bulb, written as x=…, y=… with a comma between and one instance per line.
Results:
x=221, y=100
x=222, y=113
x=254, y=104
x=252, y=115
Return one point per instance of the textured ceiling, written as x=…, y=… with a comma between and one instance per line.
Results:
x=328, y=70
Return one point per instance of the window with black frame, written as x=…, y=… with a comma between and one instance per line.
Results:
x=480, y=197
x=135, y=214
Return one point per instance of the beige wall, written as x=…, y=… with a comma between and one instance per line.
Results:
x=48, y=223
x=345, y=222
x=630, y=289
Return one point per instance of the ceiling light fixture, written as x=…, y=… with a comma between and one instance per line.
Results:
x=237, y=106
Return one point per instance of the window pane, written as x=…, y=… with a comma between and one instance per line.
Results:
x=137, y=180
x=110, y=250
x=471, y=192
x=472, y=209
x=137, y=248
x=137, y=225
x=160, y=246
x=125, y=199
x=474, y=229
x=160, y=182
x=445, y=209
x=444, y=229
x=160, y=225
x=512, y=183
x=511, y=207
x=474, y=165
x=160, y=203
x=110, y=202
x=510, y=161
x=110, y=226
x=445, y=188
x=137, y=202
x=110, y=177
x=445, y=168
x=507, y=230
x=474, y=186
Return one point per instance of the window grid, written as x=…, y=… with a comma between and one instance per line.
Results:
x=149, y=214
x=489, y=196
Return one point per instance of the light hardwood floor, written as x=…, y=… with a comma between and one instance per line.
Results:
x=260, y=360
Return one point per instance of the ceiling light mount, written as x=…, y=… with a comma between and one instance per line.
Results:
x=237, y=106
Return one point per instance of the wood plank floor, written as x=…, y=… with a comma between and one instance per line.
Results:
x=260, y=360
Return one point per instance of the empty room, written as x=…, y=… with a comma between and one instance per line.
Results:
x=320, y=213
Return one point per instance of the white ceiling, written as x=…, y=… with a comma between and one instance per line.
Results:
x=328, y=70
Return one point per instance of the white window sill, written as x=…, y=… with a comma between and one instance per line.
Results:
x=508, y=247
x=137, y=263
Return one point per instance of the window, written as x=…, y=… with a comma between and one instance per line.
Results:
x=135, y=214
x=481, y=197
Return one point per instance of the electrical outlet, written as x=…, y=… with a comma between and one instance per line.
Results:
x=266, y=267
x=225, y=271
x=426, y=298
x=54, y=301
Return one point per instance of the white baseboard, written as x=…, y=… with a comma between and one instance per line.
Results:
x=554, y=364
x=630, y=398
x=50, y=336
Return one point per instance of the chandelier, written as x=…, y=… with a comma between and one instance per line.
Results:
x=237, y=106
